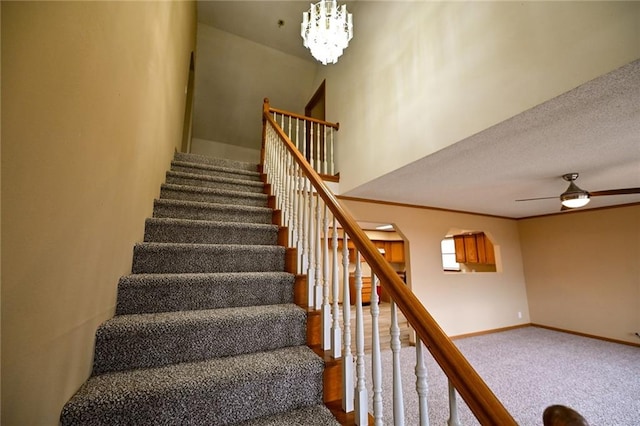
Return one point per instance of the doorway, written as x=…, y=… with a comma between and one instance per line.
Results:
x=315, y=108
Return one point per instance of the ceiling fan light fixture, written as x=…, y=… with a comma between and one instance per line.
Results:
x=573, y=201
x=574, y=197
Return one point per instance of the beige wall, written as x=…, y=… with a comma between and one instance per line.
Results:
x=583, y=271
x=461, y=303
x=224, y=150
x=94, y=98
x=420, y=76
x=233, y=76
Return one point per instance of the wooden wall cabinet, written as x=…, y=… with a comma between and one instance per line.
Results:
x=458, y=241
x=474, y=248
x=393, y=250
x=486, y=253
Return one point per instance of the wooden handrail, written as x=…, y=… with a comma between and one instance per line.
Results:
x=481, y=400
x=302, y=117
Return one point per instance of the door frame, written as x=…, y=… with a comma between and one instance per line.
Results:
x=316, y=108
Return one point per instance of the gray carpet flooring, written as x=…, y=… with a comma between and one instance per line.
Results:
x=205, y=332
x=529, y=369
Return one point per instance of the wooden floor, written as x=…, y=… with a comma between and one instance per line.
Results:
x=384, y=325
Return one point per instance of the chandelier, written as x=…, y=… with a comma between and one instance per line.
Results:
x=326, y=30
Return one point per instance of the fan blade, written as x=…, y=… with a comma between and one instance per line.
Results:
x=541, y=198
x=622, y=191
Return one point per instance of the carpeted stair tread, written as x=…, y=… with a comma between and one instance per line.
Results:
x=167, y=258
x=157, y=339
x=198, y=210
x=146, y=293
x=214, y=392
x=210, y=170
x=181, y=178
x=212, y=195
x=316, y=415
x=209, y=232
x=205, y=332
x=211, y=161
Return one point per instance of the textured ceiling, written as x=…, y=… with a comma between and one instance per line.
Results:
x=593, y=130
x=258, y=21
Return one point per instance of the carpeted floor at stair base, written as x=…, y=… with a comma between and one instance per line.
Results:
x=205, y=332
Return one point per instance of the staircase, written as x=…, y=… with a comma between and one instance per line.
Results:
x=205, y=331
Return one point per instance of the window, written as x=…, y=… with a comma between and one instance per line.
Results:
x=448, y=249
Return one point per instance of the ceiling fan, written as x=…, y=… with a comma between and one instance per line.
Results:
x=575, y=196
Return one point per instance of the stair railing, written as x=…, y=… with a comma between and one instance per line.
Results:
x=315, y=219
x=314, y=138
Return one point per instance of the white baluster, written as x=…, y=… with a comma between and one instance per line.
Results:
x=305, y=223
x=276, y=172
x=376, y=366
x=336, y=342
x=312, y=150
x=317, y=151
x=326, y=307
x=324, y=140
x=453, y=406
x=294, y=207
x=280, y=186
x=361, y=410
x=347, y=358
x=310, y=247
x=333, y=154
x=318, y=252
x=285, y=189
x=298, y=134
x=304, y=139
x=274, y=166
x=398, y=399
x=421, y=384
x=290, y=199
x=297, y=196
x=267, y=152
x=301, y=221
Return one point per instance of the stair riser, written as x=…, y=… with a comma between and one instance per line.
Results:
x=162, y=293
x=195, y=407
x=221, y=395
x=215, y=173
x=205, y=234
x=203, y=258
x=206, y=197
x=187, y=340
x=204, y=183
x=211, y=213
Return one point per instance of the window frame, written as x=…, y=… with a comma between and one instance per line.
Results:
x=444, y=253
